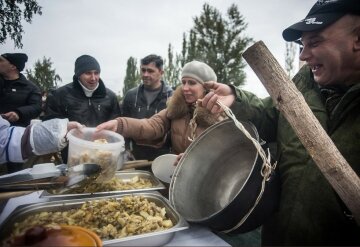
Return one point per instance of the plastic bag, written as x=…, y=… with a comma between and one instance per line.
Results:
x=48, y=136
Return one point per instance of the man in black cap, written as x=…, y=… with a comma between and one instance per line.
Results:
x=20, y=99
x=310, y=212
x=85, y=100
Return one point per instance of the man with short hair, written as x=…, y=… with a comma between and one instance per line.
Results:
x=310, y=211
x=146, y=100
x=20, y=99
x=85, y=100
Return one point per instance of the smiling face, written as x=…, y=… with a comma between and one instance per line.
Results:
x=192, y=90
x=90, y=79
x=333, y=53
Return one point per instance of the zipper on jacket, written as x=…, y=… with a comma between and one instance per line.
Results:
x=89, y=102
x=99, y=107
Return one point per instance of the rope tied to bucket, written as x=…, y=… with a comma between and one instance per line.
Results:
x=193, y=126
x=266, y=170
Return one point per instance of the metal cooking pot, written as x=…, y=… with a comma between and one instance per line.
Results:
x=218, y=180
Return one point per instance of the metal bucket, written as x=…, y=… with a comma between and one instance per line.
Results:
x=218, y=180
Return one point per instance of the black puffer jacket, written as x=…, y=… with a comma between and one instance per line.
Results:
x=135, y=106
x=70, y=102
x=21, y=96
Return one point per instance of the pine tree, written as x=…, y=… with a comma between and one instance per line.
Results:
x=132, y=77
x=172, y=68
x=219, y=42
x=43, y=75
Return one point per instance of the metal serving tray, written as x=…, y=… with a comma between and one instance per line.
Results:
x=148, y=239
x=124, y=175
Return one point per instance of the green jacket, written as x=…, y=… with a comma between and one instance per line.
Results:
x=310, y=213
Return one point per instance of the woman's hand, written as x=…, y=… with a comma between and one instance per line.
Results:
x=109, y=125
x=178, y=158
x=218, y=92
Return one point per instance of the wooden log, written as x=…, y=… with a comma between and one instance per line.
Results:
x=292, y=105
x=136, y=164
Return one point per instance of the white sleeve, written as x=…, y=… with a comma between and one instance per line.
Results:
x=48, y=136
x=10, y=142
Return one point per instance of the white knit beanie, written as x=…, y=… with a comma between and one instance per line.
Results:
x=199, y=71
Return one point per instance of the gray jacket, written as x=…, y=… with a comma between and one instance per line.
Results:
x=135, y=106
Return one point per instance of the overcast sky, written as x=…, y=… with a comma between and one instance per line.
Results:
x=114, y=30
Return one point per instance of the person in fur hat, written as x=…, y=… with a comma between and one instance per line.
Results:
x=182, y=116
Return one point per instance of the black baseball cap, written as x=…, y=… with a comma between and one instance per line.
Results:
x=321, y=15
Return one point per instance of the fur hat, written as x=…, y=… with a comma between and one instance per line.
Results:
x=17, y=59
x=199, y=71
x=85, y=63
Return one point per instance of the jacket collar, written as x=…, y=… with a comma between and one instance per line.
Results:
x=165, y=89
x=347, y=104
x=99, y=92
x=22, y=79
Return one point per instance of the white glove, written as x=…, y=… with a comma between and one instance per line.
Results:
x=48, y=136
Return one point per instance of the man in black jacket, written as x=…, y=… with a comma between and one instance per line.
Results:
x=146, y=100
x=85, y=100
x=20, y=99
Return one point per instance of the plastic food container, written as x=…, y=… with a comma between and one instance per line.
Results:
x=104, y=148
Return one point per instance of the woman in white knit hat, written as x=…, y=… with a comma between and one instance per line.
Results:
x=183, y=117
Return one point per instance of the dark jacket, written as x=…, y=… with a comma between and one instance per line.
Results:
x=135, y=106
x=70, y=102
x=310, y=211
x=23, y=97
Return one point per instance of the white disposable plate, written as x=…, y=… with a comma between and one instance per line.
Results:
x=163, y=167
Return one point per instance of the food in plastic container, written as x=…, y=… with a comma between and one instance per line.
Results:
x=103, y=147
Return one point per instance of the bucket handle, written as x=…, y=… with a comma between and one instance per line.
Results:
x=266, y=170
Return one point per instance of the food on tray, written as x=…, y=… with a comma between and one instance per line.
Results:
x=114, y=184
x=109, y=218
